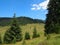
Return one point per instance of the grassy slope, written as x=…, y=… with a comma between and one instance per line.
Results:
x=29, y=28
x=37, y=41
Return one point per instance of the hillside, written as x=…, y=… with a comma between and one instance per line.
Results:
x=54, y=39
x=27, y=28
x=4, y=21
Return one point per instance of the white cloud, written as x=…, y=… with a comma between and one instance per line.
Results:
x=35, y=7
x=42, y=5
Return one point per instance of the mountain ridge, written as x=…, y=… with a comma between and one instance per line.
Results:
x=4, y=21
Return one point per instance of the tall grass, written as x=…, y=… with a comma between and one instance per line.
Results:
x=53, y=39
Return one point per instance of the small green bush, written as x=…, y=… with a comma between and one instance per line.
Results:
x=27, y=36
x=35, y=35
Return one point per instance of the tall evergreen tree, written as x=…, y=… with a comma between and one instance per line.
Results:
x=14, y=33
x=53, y=17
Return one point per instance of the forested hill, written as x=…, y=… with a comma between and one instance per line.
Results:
x=4, y=21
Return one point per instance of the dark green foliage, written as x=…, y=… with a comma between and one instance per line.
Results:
x=35, y=33
x=57, y=28
x=14, y=33
x=38, y=35
x=53, y=17
x=0, y=40
x=14, y=40
x=27, y=36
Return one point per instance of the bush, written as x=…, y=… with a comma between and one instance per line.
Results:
x=27, y=36
x=38, y=35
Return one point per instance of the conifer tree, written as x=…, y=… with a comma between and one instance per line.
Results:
x=14, y=32
x=53, y=17
x=35, y=33
x=27, y=36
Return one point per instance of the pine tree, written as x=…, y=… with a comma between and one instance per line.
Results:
x=27, y=36
x=35, y=33
x=53, y=17
x=14, y=32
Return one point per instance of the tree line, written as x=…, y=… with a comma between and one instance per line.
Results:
x=5, y=21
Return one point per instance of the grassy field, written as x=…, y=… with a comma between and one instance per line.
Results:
x=54, y=38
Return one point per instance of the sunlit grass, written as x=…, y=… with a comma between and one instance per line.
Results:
x=27, y=28
x=36, y=41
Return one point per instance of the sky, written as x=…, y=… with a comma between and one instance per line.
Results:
x=36, y=9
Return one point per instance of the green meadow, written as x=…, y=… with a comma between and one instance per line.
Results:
x=54, y=39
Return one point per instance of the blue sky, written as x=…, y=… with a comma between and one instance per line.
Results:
x=30, y=8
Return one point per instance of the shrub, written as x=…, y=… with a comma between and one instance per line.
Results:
x=35, y=33
x=27, y=36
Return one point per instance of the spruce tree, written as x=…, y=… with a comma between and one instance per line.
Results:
x=53, y=17
x=14, y=32
x=35, y=33
x=27, y=36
